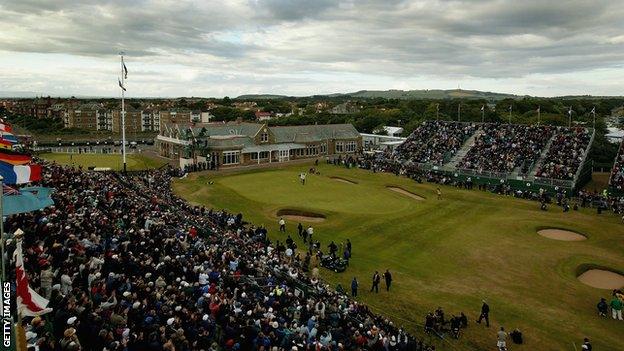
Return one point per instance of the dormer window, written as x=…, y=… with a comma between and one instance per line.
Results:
x=264, y=137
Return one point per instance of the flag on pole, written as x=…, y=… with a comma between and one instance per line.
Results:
x=5, y=127
x=121, y=85
x=538, y=109
x=570, y=111
x=14, y=158
x=482, y=108
x=29, y=303
x=124, y=68
x=593, y=110
x=20, y=174
x=8, y=137
x=5, y=144
x=25, y=200
x=509, y=108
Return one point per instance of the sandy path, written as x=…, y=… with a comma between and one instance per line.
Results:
x=601, y=279
x=406, y=193
x=561, y=234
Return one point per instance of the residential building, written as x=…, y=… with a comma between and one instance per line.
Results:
x=150, y=120
x=174, y=116
x=56, y=111
x=85, y=116
x=344, y=108
x=263, y=116
x=132, y=120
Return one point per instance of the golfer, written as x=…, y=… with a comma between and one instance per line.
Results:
x=282, y=224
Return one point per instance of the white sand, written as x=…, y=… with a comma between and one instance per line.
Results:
x=295, y=218
x=601, y=279
x=406, y=193
x=342, y=180
x=561, y=234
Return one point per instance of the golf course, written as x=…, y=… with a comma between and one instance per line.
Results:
x=134, y=162
x=451, y=252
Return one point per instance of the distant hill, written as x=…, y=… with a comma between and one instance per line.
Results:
x=19, y=94
x=403, y=94
x=432, y=94
x=260, y=97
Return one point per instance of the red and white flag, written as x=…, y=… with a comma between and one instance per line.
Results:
x=29, y=303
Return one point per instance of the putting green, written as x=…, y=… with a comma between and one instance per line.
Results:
x=453, y=252
x=365, y=197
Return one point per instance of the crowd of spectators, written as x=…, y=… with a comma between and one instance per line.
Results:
x=447, y=140
x=617, y=174
x=565, y=154
x=418, y=139
x=127, y=265
x=385, y=162
x=503, y=147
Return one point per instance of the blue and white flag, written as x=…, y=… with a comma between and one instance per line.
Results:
x=25, y=199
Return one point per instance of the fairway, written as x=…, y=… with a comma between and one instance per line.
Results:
x=134, y=162
x=452, y=253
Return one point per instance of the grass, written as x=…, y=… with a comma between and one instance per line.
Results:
x=134, y=162
x=451, y=253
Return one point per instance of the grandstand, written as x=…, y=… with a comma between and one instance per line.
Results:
x=523, y=155
x=616, y=180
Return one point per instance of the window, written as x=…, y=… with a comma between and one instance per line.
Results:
x=323, y=148
x=264, y=137
x=351, y=146
x=311, y=150
x=263, y=155
x=231, y=157
x=339, y=146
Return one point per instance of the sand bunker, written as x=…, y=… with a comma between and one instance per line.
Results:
x=561, y=234
x=602, y=279
x=300, y=216
x=343, y=180
x=406, y=193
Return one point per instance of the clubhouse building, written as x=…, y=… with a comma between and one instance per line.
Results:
x=217, y=145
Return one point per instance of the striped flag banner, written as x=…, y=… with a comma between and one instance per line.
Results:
x=5, y=127
x=8, y=137
x=28, y=302
x=5, y=144
x=20, y=174
x=14, y=158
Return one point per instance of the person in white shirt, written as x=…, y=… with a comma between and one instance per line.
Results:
x=282, y=224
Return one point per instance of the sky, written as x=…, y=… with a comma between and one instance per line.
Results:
x=304, y=47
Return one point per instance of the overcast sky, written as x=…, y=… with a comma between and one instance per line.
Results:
x=304, y=47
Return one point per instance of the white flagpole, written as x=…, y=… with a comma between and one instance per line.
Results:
x=570, y=117
x=123, y=115
x=510, y=108
x=539, y=115
x=594, y=113
x=459, y=112
x=437, y=111
x=483, y=114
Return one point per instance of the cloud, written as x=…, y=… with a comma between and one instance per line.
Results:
x=301, y=45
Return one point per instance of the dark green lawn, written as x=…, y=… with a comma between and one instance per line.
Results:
x=451, y=253
x=134, y=162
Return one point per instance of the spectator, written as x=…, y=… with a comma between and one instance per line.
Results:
x=616, y=307
x=485, y=314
